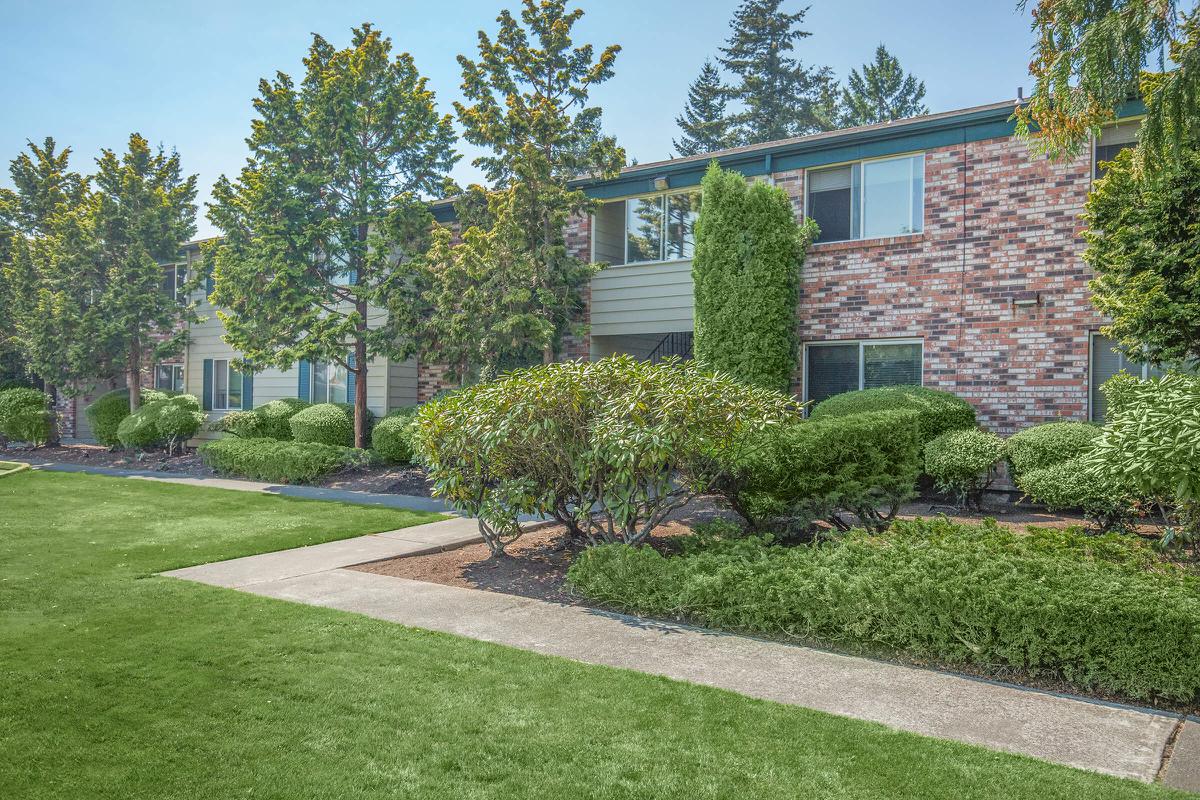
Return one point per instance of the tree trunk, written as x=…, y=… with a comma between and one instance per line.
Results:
x=133, y=375
x=53, y=438
x=360, y=389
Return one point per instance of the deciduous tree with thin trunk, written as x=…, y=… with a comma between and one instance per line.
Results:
x=331, y=199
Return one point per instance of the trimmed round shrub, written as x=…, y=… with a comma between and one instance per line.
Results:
x=1049, y=444
x=325, y=423
x=110, y=408
x=279, y=462
x=1073, y=484
x=833, y=467
x=242, y=424
x=276, y=417
x=168, y=421
x=392, y=437
x=938, y=412
x=25, y=415
x=960, y=462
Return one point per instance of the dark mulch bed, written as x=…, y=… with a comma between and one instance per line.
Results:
x=408, y=480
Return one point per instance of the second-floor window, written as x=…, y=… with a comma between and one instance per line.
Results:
x=174, y=277
x=643, y=230
x=1111, y=141
x=868, y=199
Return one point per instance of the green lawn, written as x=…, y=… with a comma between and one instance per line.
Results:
x=117, y=683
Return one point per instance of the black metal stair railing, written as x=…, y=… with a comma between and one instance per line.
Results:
x=673, y=344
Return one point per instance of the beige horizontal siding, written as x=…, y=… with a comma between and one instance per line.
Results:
x=642, y=299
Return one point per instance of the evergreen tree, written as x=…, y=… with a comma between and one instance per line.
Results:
x=703, y=122
x=329, y=200
x=526, y=103
x=1090, y=58
x=881, y=93
x=780, y=96
x=144, y=208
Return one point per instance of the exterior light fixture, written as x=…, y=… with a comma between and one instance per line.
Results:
x=661, y=183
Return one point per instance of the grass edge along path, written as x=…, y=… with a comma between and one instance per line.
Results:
x=117, y=682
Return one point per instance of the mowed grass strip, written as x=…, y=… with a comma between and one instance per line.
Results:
x=115, y=682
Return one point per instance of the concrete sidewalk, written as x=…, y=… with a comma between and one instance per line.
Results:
x=1117, y=740
x=400, y=501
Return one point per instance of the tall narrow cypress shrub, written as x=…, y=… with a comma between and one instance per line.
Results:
x=746, y=272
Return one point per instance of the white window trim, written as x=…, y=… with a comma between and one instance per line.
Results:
x=862, y=196
x=861, y=361
x=213, y=399
x=180, y=294
x=174, y=366
x=625, y=227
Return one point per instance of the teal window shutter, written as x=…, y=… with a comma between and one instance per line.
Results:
x=304, y=390
x=350, y=379
x=206, y=400
x=247, y=390
x=209, y=284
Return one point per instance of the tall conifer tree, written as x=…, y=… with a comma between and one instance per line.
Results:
x=881, y=92
x=703, y=124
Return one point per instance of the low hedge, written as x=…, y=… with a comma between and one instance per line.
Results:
x=279, y=462
x=25, y=415
x=326, y=423
x=960, y=463
x=242, y=424
x=109, y=409
x=1074, y=484
x=823, y=469
x=1049, y=444
x=1102, y=612
x=169, y=421
x=392, y=437
x=937, y=411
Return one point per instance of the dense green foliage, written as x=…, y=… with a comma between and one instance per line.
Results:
x=839, y=469
x=779, y=96
x=1143, y=242
x=749, y=252
x=961, y=461
x=1100, y=612
x=392, y=437
x=881, y=92
x=704, y=126
x=279, y=462
x=1074, y=484
x=626, y=440
x=242, y=424
x=109, y=409
x=193, y=677
x=1049, y=444
x=331, y=195
x=1090, y=59
x=325, y=423
x=169, y=421
x=938, y=411
x=25, y=415
x=275, y=417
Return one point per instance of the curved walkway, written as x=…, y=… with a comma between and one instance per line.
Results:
x=1118, y=740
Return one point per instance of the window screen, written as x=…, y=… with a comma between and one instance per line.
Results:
x=891, y=365
x=849, y=366
x=830, y=195
x=1107, y=361
x=832, y=369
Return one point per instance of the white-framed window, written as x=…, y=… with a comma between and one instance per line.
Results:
x=648, y=229
x=871, y=199
x=330, y=382
x=846, y=366
x=1112, y=140
x=226, y=386
x=1105, y=361
x=174, y=277
x=169, y=377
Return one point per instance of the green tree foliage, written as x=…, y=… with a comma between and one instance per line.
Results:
x=704, y=125
x=144, y=207
x=1090, y=58
x=961, y=463
x=527, y=104
x=328, y=202
x=881, y=92
x=45, y=286
x=1144, y=246
x=749, y=252
x=780, y=96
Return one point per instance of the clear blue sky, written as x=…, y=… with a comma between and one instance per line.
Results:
x=182, y=73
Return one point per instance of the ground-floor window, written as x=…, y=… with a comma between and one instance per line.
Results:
x=834, y=367
x=169, y=377
x=330, y=382
x=226, y=386
x=1107, y=361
